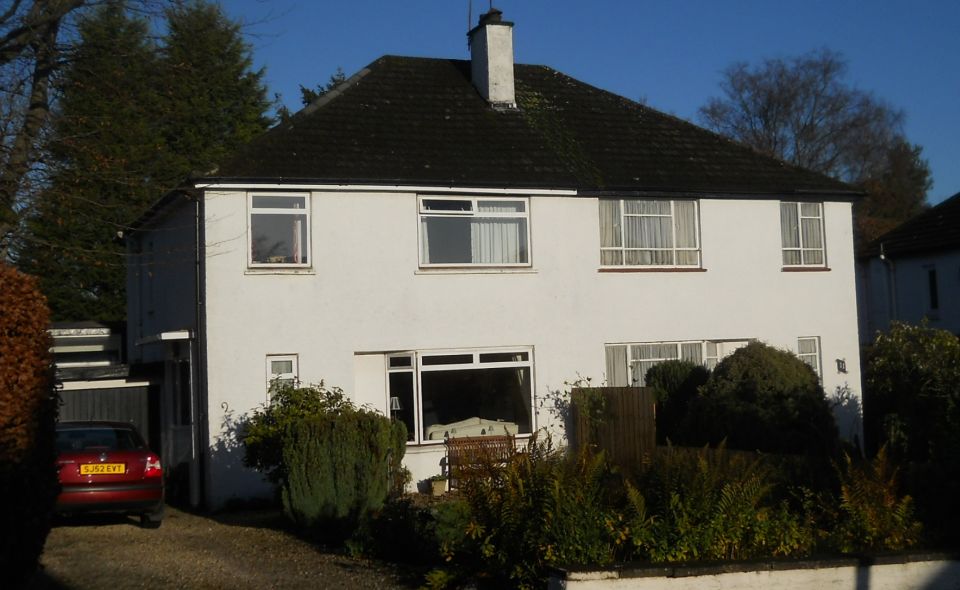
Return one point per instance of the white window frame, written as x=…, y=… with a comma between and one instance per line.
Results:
x=803, y=247
x=418, y=368
x=811, y=358
x=622, y=248
x=422, y=212
x=306, y=212
x=711, y=352
x=272, y=378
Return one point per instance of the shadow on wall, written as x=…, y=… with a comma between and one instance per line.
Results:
x=848, y=413
x=229, y=481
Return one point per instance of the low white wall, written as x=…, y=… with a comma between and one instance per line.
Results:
x=917, y=572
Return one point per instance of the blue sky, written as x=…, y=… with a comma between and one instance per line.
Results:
x=669, y=53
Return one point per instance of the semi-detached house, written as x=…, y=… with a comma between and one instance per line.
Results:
x=451, y=240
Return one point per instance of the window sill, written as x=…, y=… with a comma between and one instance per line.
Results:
x=649, y=269
x=279, y=271
x=805, y=269
x=462, y=270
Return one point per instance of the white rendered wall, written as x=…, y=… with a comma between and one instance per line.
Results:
x=365, y=294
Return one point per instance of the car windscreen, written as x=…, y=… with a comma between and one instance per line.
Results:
x=101, y=438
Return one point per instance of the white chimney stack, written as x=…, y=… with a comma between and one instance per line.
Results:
x=491, y=59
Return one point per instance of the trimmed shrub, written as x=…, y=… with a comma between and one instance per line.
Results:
x=677, y=384
x=338, y=468
x=28, y=412
x=762, y=398
x=262, y=433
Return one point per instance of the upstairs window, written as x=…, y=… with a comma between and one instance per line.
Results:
x=801, y=233
x=279, y=230
x=646, y=233
x=477, y=231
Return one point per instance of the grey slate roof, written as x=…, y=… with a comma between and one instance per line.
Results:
x=412, y=121
x=935, y=230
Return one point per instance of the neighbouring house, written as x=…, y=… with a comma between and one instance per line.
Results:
x=452, y=240
x=912, y=273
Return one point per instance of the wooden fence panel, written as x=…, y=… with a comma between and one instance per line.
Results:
x=121, y=404
x=623, y=424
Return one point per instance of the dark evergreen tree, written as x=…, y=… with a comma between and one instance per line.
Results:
x=134, y=121
x=217, y=101
x=106, y=166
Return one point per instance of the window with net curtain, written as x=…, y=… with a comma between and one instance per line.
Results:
x=801, y=231
x=474, y=231
x=649, y=233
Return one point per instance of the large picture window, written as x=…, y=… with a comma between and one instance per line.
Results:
x=441, y=395
x=635, y=232
x=627, y=364
x=479, y=231
x=279, y=230
x=801, y=231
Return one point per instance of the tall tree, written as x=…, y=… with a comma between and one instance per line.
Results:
x=134, y=120
x=105, y=166
x=217, y=101
x=308, y=95
x=802, y=110
x=29, y=32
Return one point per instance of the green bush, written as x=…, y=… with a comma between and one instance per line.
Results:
x=762, y=398
x=542, y=509
x=712, y=505
x=28, y=412
x=912, y=393
x=873, y=516
x=262, y=433
x=338, y=468
x=677, y=384
x=912, y=406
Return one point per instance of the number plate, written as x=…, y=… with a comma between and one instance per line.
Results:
x=101, y=468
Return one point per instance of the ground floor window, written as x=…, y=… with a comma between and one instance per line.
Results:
x=808, y=349
x=282, y=370
x=628, y=363
x=448, y=394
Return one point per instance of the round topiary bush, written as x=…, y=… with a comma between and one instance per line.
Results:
x=28, y=413
x=762, y=398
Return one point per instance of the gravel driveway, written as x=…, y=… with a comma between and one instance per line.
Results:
x=234, y=550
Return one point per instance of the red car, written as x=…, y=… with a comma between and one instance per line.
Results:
x=106, y=467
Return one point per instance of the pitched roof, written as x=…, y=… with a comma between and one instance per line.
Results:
x=935, y=230
x=412, y=121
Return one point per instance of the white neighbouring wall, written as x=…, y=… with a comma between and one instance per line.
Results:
x=365, y=295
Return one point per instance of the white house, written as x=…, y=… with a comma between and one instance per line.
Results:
x=912, y=273
x=450, y=241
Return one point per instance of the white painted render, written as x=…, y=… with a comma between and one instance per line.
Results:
x=364, y=295
x=911, y=575
x=491, y=63
x=898, y=289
